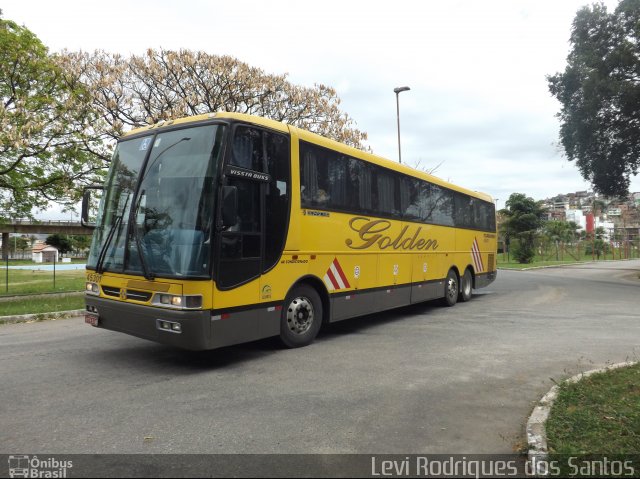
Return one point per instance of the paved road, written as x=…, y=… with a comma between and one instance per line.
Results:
x=419, y=380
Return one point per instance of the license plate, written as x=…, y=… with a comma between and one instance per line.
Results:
x=91, y=319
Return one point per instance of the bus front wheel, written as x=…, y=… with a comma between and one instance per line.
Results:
x=451, y=289
x=301, y=317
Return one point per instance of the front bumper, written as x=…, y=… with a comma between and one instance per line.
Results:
x=142, y=321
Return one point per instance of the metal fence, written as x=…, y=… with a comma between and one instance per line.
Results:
x=23, y=276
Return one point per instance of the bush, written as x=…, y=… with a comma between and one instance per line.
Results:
x=523, y=251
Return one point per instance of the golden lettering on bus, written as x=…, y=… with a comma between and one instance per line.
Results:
x=371, y=232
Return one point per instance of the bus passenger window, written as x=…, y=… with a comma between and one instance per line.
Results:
x=385, y=187
x=247, y=149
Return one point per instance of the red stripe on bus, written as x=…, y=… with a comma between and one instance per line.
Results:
x=341, y=273
x=332, y=278
x=479, y=255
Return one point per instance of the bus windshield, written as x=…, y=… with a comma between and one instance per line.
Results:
x=158, y=221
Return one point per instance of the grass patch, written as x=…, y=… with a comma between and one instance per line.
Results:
x=536, y=263
x=41, y=305
x=37, y=281
x=598, y=416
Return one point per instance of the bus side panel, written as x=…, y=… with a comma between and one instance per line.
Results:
x=426, y=283
x=234, y=328
x=360, y=271
x=345, y=306
x=235, y=315
x=445, y=255
x=395, y=277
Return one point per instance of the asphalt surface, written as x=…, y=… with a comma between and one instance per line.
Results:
x=423, y=379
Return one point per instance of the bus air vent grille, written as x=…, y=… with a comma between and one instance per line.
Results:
x=111, y=291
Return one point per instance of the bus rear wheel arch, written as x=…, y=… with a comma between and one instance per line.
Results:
x=302, y=316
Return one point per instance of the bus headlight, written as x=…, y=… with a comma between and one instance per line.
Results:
x=92, y=288
x=174, y=301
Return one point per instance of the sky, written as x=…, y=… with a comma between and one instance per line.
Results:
x=479, y=105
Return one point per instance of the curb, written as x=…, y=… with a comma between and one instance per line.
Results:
x=536, y=432
x=543, y=267
x=26, y=318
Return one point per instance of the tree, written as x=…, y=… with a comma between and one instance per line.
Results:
x=60, y=114
x=163, y=85
x=560, y=232
x=80, y=243
x=43, y=114
x=18, y=243
x=599, y=92
x=598, y=245
x=61, y=242
x=523, y=218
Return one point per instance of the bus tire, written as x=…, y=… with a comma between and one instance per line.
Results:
x=301, y=317
x=466, y=285
x=450, y=289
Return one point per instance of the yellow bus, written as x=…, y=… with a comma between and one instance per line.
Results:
x=225, y=228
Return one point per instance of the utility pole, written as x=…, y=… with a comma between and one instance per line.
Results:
x=397, y=91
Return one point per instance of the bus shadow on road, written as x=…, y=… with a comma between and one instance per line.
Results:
x=361, y=324
x=151, y=357
x=157, y=358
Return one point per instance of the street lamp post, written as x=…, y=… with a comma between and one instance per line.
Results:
x=397, y=92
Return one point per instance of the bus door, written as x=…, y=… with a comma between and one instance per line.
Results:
x=257, y=165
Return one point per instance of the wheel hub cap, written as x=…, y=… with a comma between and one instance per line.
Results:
x=300, y=315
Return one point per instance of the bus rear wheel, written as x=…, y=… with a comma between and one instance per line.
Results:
x=301, y=317
x=450, y=289
x=466, y=285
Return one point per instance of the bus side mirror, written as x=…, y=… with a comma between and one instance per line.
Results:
x=86, y=204
x=229, y=206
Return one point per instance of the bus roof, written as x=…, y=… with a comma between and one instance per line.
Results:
x=258, y=120
x=313, y=138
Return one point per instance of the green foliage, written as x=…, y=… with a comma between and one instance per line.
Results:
x=18, y=243
x=523, y=251
x=60, y=114
x=599, y=92
x=560, y=232
x=523, y=219
x=80, y=243
x=598, y=247
x=62, y=242
x=43, y=117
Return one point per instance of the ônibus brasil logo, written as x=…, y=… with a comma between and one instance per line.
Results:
x=32, y=466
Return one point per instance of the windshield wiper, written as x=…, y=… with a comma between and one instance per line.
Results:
x=116, y=225
x=136, y=237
